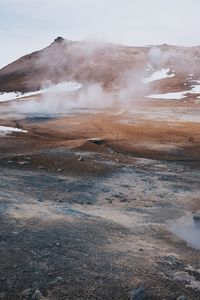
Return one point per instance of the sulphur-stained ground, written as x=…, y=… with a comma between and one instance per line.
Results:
x=90, y=203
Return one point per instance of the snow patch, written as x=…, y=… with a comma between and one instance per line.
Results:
x=168, y=96
x=8, y=96
x=157, y=75
x=6, y=130
x=195, y=89
x=70, y=86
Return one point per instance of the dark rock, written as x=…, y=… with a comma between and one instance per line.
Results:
x=37, y=295
x=59, y=39
x=182, y=276
x=81, y=158
x=123, y=200
x=181, y=298
x=89, y=203
x=137, y=294
x=97, y=141
x=121, y=197
x=41, y=167
x=26, y=293
x=196, y=216
x=105, y=190
x=173, y=261
x=58, y=280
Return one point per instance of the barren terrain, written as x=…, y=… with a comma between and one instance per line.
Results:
x=98, y=203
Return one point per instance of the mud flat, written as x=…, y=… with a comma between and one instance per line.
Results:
x=94, y=205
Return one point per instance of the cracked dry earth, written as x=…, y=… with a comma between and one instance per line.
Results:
x=91, y=219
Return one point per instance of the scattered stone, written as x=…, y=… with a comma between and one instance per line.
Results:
x=196, y=216
x=81, y=158
x=2, y=278
x=137, y=294
x=89, y=203
x=111, y=151
x=121, y=197
x=97, y=141
x=58, y=280
x=37, y=295
x=108, y=199
x=59, y=170
x=41, y=167
x=123, y=200
x=182, y=276
x=27, y=292
x=193, y=270
x=173, y=261
x=40, y=200
x=165, y=276
x=181, y=298
x=18, y=125
x=22, y=163
x=105, y=190
x=194, y=284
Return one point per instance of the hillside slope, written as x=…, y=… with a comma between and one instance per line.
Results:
x=90, y=62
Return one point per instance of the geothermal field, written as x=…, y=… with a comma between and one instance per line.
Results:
x=99, y=173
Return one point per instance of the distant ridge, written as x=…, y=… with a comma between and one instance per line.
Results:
x=90, y=62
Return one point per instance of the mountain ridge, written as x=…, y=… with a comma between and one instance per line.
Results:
x=91, y=62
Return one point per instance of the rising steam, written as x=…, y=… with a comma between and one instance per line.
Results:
x=99, y=68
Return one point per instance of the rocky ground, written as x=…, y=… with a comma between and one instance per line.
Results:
x=90, y=205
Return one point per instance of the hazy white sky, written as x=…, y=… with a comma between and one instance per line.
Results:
x=28, y=25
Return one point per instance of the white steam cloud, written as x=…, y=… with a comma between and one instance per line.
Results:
x=101, y=76
x=105, y=75
x=57, y=100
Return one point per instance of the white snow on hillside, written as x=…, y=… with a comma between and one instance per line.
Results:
x=8, y=96
x=195, y=89
x=168, y=96
x=60, y=87
x=157, y=75
x=6, y=130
